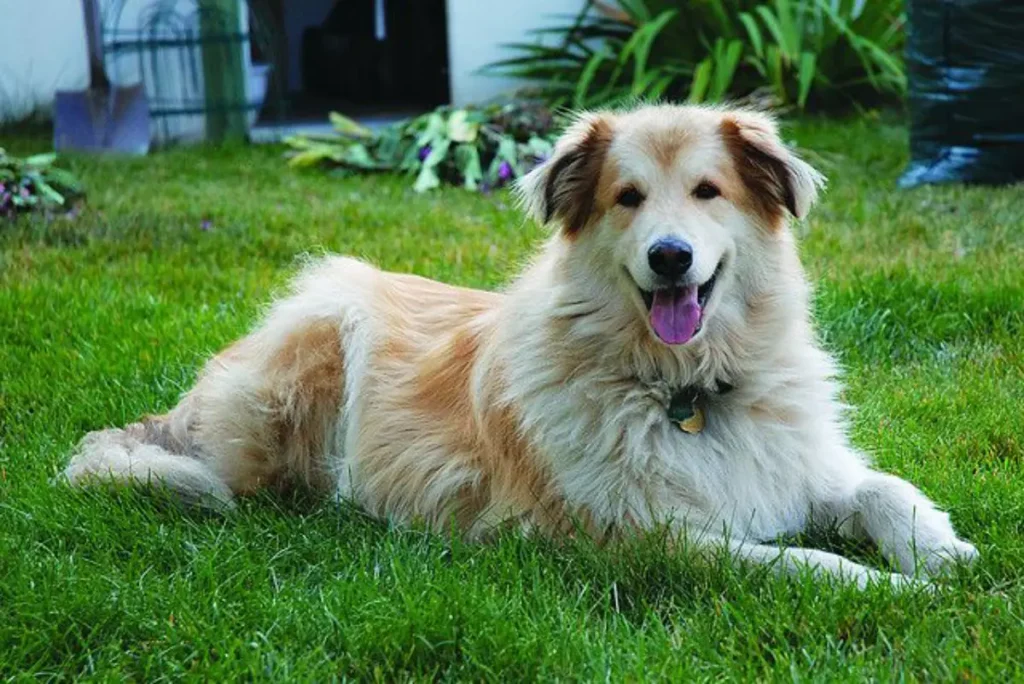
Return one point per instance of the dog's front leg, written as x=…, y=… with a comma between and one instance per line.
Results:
x=792, y=560
x=904, y=524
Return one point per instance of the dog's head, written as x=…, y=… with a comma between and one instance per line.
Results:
x=672, y=204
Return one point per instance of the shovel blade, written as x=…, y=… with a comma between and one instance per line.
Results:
x=102, y=121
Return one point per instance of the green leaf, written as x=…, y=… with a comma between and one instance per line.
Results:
x=19, y=201
x=357, y=155
x=461, y=128
x=65, y=179
x=643, y=49
x=805, y=77
x=701, y=81
x=410, y=160
x=775, y=29
x=47, y=192
x=426, y=180
x=391, y=147
x=40, y=160
x=308, y=158
x=539, y=147
x=467, y=161
x=773, y=65
x=349, y=127
x=787, y=28
x=658, y=88
x=434, y=132
x=583, y=84
x=753, y=33
x=438, y=152
x=508, y=151
x=721, y=15
x=727, y=58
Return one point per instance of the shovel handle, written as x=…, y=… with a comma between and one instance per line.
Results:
x=94, y=41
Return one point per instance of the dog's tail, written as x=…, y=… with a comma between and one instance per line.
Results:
x=143, y=454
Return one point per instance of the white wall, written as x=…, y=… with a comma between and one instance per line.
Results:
x=478, y=28
x=42, y=49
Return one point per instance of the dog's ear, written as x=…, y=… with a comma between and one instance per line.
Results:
x=776, y=178
x=564, y=187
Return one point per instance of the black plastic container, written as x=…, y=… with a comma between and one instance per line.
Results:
x=965, y=64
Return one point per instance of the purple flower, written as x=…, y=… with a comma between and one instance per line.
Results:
x=504, y=171
x=206, y=224
x=424, y=152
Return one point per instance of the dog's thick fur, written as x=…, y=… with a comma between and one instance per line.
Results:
x=545, y=406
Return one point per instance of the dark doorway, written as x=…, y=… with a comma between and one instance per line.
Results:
x=358, y=57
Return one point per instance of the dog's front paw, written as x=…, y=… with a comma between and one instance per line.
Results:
x=942, y=559
x=901, y=582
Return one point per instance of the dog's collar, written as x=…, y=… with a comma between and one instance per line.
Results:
x=687, y=405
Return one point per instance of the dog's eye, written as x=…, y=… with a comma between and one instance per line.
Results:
x=630, y=197
x=706, y=190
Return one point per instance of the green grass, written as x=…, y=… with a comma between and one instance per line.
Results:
x=107, y=316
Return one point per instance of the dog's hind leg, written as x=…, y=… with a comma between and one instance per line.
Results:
x=124, y=456
x=161, y=451
x=264, y=413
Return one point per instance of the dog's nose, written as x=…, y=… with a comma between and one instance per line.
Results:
x=670, y=258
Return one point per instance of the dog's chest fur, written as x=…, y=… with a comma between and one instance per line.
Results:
x=615, y=452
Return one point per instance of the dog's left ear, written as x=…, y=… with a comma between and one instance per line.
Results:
x=776, y=178
x=565, y=186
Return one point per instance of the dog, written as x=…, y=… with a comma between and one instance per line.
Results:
x=655, y=364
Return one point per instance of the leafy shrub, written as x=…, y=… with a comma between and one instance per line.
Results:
x=797, y=51
x=34, y=183
x=476, y=147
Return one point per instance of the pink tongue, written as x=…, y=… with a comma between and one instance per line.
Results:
x=675, y=314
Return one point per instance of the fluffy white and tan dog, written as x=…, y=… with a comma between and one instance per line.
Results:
x=655, y=364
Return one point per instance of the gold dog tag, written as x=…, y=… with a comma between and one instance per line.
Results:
x=685, y=411
x=694, y=423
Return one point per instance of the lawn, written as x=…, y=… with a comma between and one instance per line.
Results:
x=108, y=315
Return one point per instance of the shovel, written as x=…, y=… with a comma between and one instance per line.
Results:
x=102, y=117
